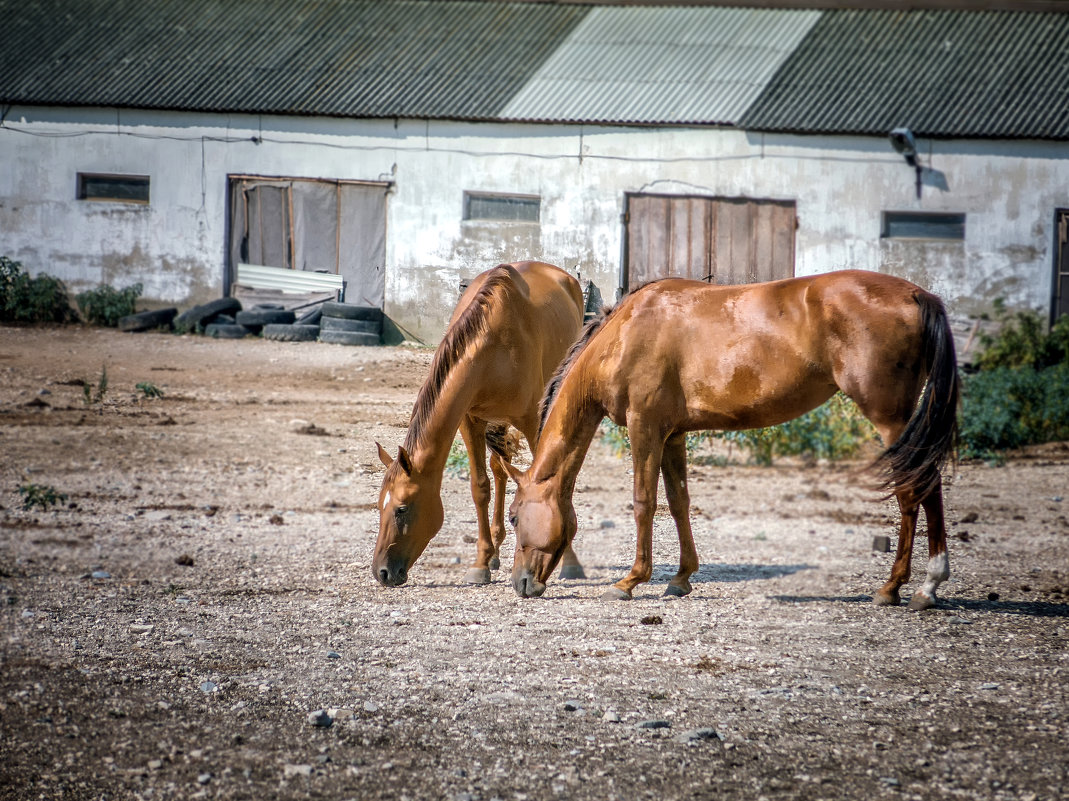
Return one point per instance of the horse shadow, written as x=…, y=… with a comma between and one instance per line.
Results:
x=720, y=572
x=1026, y=608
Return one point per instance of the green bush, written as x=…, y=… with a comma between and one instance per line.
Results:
x=31, y=300
x=1022, y=342
x=1010, y=407
x=834, y=430
x=105, y=305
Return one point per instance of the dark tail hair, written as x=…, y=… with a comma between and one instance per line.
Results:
x=915, y=460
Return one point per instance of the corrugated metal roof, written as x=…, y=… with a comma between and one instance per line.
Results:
x=337, y=57
x=661, y=65
x=939, y=73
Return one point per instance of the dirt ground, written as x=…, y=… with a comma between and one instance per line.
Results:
x=167, y=631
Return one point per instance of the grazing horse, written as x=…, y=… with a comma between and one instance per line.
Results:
x=678, y=356
x=510, y=330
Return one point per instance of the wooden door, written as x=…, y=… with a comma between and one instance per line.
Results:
x=721, y=240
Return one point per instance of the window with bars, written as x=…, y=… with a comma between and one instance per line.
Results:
x=923, y=225
x=114, y=188
x=501, y=208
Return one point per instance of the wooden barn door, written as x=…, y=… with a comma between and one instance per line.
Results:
x=1060, y=300
x=720, y=240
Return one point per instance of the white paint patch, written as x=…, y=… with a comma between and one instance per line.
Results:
x=938, y=572
x=386, y=501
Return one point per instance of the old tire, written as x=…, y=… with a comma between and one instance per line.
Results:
x=359, y=326
x=226, y=331
x=148, y=320
x=255, y=319
x=291, y=333
x=207, y=313
x=311, y=317
x=350, y=311
x=348, y=337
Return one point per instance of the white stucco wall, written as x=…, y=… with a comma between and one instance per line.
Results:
x=176, y=246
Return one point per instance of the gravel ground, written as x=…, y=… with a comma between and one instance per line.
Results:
x=177, y=627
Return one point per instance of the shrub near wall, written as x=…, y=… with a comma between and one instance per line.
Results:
x=1020, y=396
x=31, y=300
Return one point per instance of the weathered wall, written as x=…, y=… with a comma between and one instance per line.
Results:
x=176, y=245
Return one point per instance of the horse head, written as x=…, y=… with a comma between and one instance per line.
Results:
x=410, y=514
x=545, y=524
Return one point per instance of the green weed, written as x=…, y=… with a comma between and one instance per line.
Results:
x=41, y=496
x=149, y=390
x=31, y=300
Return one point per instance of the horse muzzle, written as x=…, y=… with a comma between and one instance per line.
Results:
x=391, y=573
x=526, y=585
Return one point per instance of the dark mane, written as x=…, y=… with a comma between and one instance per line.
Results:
x=467, y=329
x=553, y=386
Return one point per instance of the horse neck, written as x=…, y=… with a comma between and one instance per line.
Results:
x=430, y=450
x=566, y=437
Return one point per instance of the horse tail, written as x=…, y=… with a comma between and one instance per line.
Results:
x=915, y=460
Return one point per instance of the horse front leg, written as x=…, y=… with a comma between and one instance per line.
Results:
x=646, y=456
x=497, y=524
x=474, y=435
x=938, y=558
x=674, y=470
x=888, y=593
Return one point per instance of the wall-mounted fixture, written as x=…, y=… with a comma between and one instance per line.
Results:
x=902, y=141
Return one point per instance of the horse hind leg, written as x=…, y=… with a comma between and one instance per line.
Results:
x=888, y=594
x=938, y=557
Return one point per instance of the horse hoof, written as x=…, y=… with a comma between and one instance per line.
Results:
x=673, y=591
x=477, y=575
x=920, y=601
x=495, y=564
x=885, y=599
x=571, y=572
x=615, y=594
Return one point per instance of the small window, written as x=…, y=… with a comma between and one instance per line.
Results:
x=506, y=208
x=922, y=225
x=116, y=188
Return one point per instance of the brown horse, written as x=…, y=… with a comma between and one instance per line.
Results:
x=678, y=356
x=510, y=330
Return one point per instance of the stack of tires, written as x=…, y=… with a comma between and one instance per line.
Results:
x=349, y=324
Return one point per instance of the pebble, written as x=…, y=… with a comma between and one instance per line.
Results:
x=991, y=685
x=608, y=524
x=204, y=778
x=320, y=719
x=155, y=764
x=371, y=706
x=100, y=574
x=572, y=706
x=698, y=735
x=209, y=687
x=656, y=723
x=296, y=770
x=610, y=716
x=333, y=655
x=957, y=619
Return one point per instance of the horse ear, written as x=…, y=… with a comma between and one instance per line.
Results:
x=384, y=457
x=404, y=459
x=514, y=472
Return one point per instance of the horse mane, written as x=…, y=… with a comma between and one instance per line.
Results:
x=577, y=347
x=467, y=329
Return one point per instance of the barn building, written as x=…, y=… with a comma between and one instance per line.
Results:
x=406, y=145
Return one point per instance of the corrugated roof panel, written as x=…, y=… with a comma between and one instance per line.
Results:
x=661, y=65
x=335, y=57
x=940, y=73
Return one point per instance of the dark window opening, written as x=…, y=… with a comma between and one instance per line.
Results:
x=118, y=188
x=922, y=225
x=503, y=208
